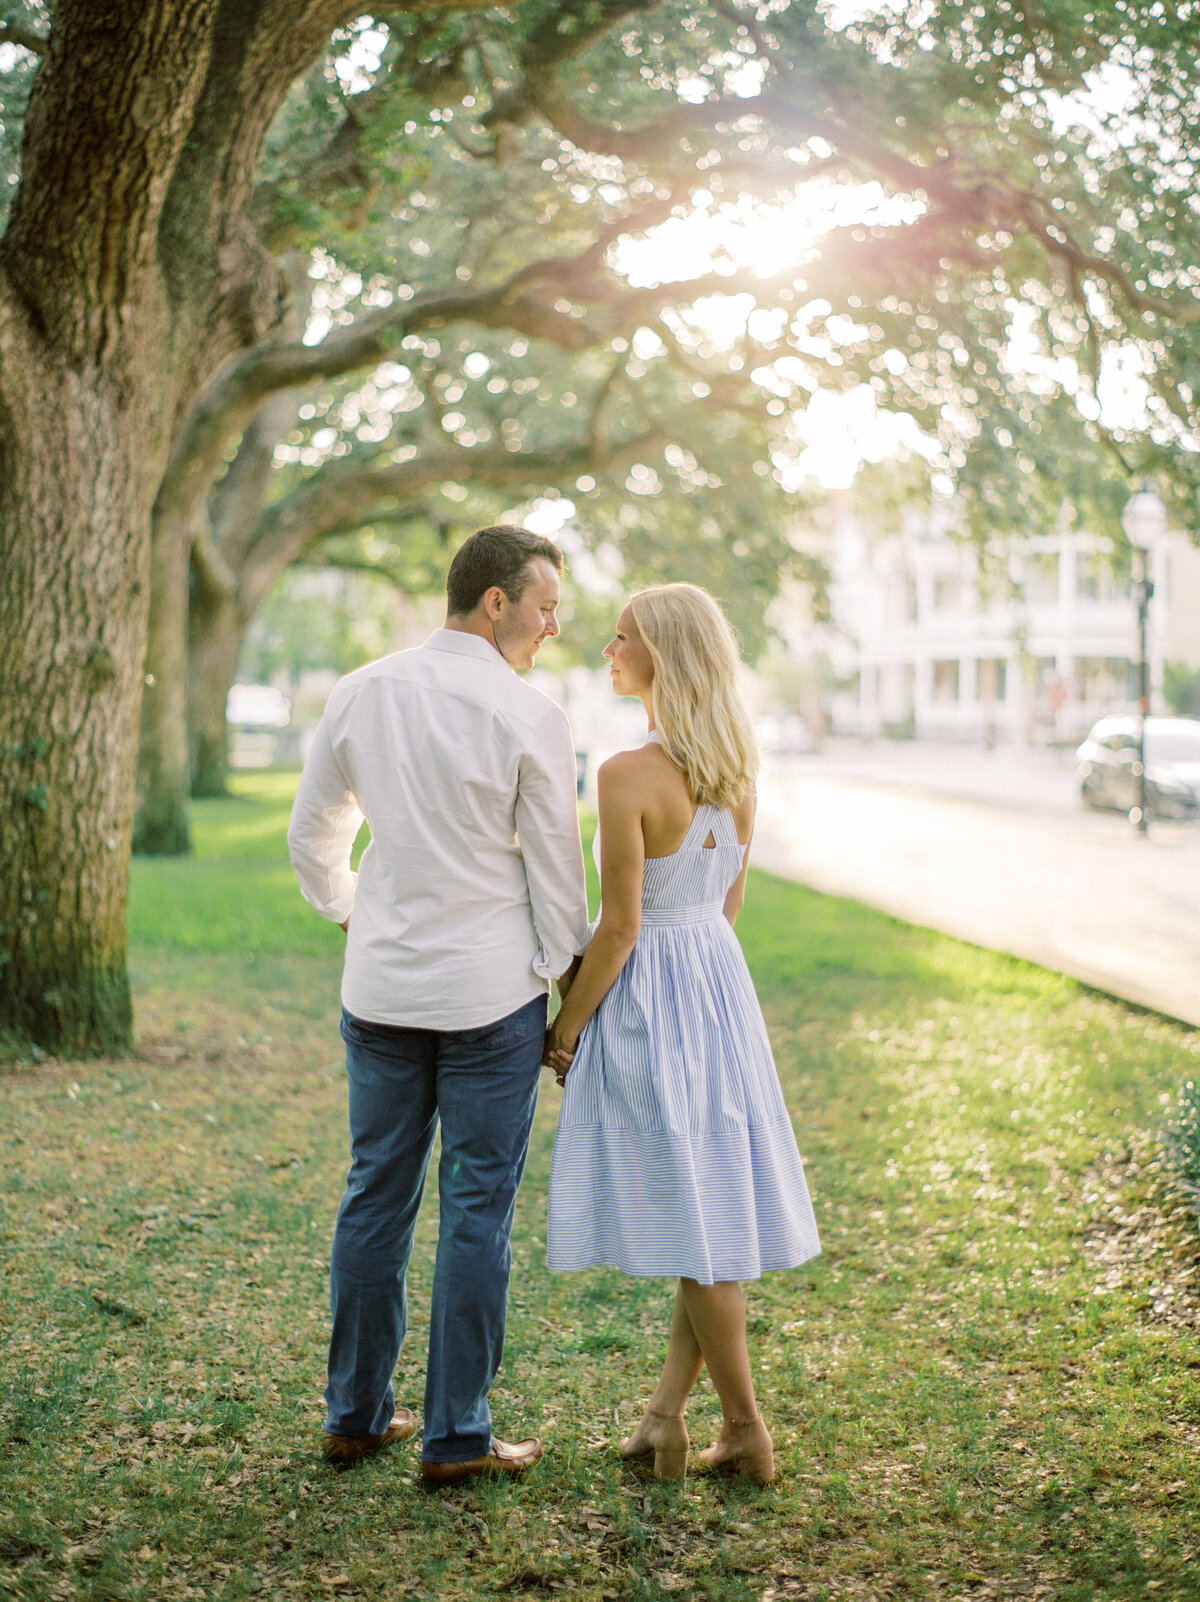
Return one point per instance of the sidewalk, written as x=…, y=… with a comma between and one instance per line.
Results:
x=1033, y=778
x=995, y=849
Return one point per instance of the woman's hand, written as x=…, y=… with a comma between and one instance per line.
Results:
x=560, y=1051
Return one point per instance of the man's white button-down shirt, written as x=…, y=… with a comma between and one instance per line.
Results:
x=470, y=897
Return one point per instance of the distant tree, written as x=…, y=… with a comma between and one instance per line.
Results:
x=1181, y=689
x=345, y=619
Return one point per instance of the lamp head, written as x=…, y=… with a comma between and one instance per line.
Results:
x=1144, y=518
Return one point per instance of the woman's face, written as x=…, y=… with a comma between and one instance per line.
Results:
x=632, y=669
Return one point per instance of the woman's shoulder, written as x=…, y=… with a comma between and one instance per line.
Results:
x=643, y=774
x=742, y=812
x=627, y=767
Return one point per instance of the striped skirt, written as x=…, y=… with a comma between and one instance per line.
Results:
x=675, y=1154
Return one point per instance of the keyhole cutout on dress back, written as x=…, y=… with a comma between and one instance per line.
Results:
x=710, y=844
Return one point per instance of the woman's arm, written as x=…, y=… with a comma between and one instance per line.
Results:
x=736, y=894
x=622, y=855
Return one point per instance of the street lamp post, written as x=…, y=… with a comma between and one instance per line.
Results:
x=1144, y=519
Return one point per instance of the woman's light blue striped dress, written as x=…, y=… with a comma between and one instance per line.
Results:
x=675, y=1153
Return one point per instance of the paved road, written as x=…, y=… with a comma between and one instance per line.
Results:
x=996, y=850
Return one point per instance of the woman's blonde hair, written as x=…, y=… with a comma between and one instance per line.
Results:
x=701, y=721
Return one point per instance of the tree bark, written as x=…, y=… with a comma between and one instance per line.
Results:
x=160, y=826
x=74, y=535
x=86, y=394
x=216, y=642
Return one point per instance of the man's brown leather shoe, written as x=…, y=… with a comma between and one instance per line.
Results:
x=502, y=1459
x=343, y=1449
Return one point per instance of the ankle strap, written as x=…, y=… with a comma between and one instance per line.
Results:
x=654, y=1413
x=755, y=1418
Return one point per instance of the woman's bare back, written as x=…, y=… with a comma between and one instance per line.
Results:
x=667, y=808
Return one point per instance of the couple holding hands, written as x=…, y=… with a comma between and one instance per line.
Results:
x=675, y=1155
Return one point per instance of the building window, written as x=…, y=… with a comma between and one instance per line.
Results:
x=1096, y=581
x=945, y=681
x=904, y=598
x=993, y=678
x=1102, y=680
x=1041, y=579
x=947, y=593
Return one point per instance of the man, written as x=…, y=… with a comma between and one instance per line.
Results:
x=468, y=901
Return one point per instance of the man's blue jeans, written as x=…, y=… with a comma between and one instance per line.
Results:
x=482, y=1084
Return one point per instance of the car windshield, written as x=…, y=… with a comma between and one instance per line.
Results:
x=1173, y=747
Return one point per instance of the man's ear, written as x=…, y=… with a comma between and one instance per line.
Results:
x=492, y=602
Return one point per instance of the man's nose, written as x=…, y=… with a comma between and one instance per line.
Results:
x=552, y=626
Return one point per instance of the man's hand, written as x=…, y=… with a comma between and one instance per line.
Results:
x=566, y=980
x=345, y=927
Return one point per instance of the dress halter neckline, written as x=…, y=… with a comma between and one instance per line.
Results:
x=652, y=738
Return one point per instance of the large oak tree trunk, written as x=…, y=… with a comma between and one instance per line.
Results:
x=80, y=455
x=129, y=273
x=88, y=378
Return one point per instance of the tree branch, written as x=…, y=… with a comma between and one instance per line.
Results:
x=210, y=569
x=408, y=512
x=235, y=394
x=981, y=201
x=338, y=495
x=1060, y=244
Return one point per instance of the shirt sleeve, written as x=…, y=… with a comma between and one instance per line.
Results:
x=547, y=817
x=325, y=820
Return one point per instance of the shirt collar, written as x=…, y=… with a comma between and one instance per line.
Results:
x=459, y=643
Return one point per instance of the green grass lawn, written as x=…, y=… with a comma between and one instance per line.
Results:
x=987, y=1386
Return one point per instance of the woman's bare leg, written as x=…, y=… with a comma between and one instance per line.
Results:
x=684, y=1360
x=680, y=1371
x=717, y=1314
x=708, y=1328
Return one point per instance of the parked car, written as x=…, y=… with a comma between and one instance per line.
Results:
x=1108, y=766
x=257, y=706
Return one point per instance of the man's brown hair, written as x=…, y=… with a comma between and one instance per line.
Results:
x=496, y=556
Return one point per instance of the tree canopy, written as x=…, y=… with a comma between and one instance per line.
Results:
x=255, y=262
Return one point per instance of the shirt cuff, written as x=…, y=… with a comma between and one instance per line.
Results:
x=336, y=911
x=549, y=967
x=549, y=964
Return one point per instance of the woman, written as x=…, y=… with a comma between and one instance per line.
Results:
x=675, y=1154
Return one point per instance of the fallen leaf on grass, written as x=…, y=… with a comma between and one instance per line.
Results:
x=118, y=1307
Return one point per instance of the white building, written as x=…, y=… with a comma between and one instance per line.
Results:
x=1031, y=641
